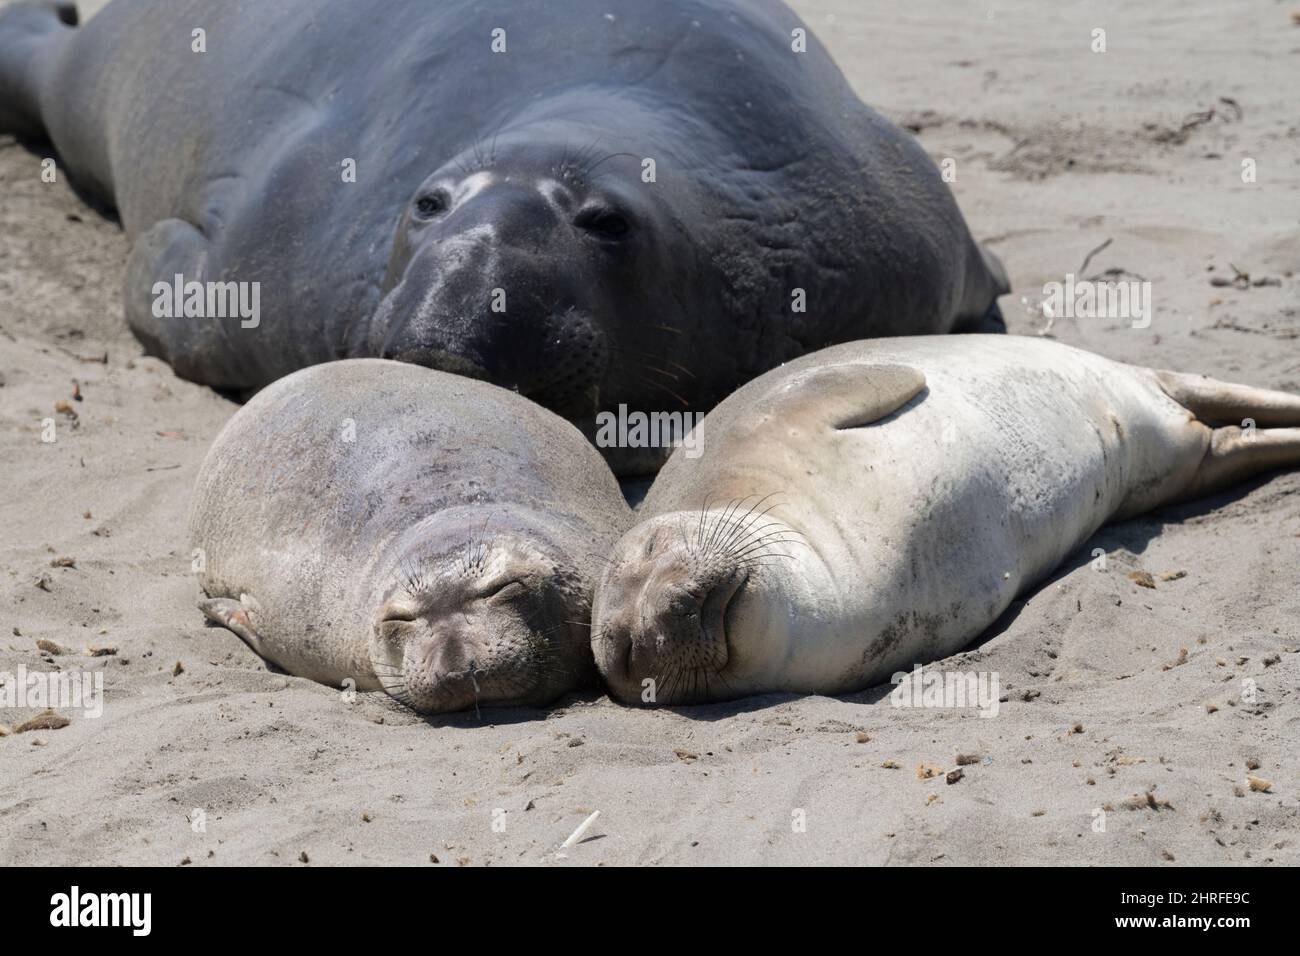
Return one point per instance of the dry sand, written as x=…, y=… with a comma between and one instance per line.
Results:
x=1057, y=149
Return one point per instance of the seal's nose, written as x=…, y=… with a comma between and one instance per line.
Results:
x=488, y=309
x=681, y=640
x=516, y=216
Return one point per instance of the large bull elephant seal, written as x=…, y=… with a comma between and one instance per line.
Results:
x=878, y=504
x=409, y=530
x=594, y=202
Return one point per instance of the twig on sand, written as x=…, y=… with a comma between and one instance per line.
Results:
x=583, y=827
x=1088, y=258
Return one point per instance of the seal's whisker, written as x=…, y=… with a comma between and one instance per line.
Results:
x=740, y=526
x=699, y=531
x=708, y=519
x=757, y=548
x=755, y=516
x=763, y=563
x=762, y=516
x=722, y=525
x=663, y=388
x=594, y=166
x=760, y=535
x=667, y=686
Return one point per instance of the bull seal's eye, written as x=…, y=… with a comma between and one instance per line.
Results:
x=603, y=223
x=430, y=205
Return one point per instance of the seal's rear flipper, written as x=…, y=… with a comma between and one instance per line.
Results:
x=29, y=39
x=233, y=615
x=847, y=396
x=1215, y=402
x=1235, y=454
x=1253, y=436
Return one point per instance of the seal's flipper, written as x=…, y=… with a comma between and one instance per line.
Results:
x=997, y=271
x=233, y=615
x=29, y=39
x=1235, y=454
x=990, y=323
x=847, y=396
x=986, y=279
x=1257, y=432
x=1215, y=402
x=197, y=347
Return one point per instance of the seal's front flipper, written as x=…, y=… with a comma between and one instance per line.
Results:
x=30, y=34
x=198, y=347
x=986, y=280
x=846, y=396
x=233, y=615
x=990, y=323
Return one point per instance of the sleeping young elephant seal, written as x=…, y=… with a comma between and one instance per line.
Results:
x=878, y=504
x=413, y=531
x=594, y=202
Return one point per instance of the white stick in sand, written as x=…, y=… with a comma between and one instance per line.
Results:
x=583, y=827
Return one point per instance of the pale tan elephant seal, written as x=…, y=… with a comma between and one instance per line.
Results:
x=410, y=530
x=880, y=503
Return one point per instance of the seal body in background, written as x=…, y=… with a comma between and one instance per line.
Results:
x=878, y=505
x=594, y=202
x=405, y=529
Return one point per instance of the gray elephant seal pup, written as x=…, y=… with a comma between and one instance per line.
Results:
x=879, y=504
x=408, y=530
x=593, y=202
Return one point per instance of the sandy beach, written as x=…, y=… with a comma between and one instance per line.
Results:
x=1143, y=701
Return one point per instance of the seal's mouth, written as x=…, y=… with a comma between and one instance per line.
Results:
x=432, y=676
x=472, y=688
x=441, y=360
x=555, y=357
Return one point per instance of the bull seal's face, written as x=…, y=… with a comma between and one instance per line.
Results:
x=522, y=269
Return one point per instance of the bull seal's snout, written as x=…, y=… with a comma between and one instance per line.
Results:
x=499, y=290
